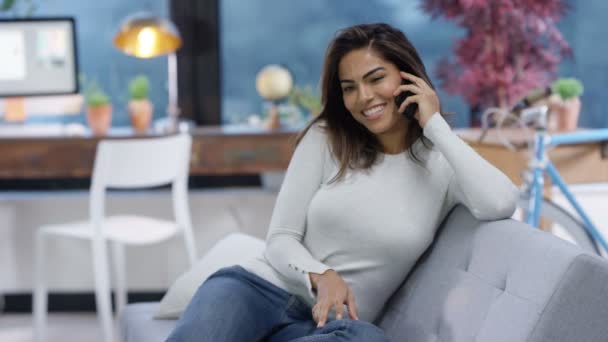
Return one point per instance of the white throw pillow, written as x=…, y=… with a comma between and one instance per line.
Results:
x=229, y=251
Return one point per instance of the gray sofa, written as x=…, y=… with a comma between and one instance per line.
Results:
x=480, y=281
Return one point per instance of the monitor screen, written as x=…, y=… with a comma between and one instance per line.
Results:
x=38, y=57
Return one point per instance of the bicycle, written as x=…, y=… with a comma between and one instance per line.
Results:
x=581, y=229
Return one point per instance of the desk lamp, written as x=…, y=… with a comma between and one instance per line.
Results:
x=273, y=83
x=144, y=35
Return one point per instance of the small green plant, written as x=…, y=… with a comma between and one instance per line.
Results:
x=93, y=94
x=139, y=87
x=97, y=98
x=306, y=98
x=567, y=88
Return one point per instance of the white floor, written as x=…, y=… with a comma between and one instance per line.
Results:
x=72, y=327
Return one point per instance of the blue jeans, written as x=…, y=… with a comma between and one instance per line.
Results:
x=236, y=305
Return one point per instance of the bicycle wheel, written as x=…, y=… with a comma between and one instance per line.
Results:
x=564, y=224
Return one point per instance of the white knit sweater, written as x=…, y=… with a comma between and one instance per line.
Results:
x=373, y=226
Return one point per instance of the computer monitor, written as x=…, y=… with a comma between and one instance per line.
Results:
x=38, y=57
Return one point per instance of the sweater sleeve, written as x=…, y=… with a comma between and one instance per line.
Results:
x=486, y=191
x=284, y=248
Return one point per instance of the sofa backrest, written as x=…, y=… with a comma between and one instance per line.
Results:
x=499, y=281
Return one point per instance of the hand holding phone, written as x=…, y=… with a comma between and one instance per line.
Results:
x=410, y=110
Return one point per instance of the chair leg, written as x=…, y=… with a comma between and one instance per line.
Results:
x=120, y=284
x=102, y=290
x=40, y=291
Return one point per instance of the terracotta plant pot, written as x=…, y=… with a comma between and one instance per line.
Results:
x=99, y=119
x=567, y=113
x=140, y=112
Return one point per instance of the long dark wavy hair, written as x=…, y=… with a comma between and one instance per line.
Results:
x=351, y=144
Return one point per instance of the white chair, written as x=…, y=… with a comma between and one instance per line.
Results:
x=122, y=164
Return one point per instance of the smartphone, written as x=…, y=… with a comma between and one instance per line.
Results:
x=410, y=110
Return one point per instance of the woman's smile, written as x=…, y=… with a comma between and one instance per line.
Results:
x=374, y=112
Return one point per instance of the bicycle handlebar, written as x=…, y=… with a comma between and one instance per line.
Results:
x=539, y=117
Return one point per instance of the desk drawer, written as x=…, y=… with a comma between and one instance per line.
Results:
x=52, y=158
x=241, y=154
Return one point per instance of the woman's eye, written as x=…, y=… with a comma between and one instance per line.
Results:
x=376, y=79
x=347, y=89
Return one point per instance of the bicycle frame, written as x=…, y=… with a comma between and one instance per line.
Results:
x=540, y=164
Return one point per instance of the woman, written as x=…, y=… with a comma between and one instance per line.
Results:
x=361, y=201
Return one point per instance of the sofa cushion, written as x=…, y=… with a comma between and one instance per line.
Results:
x=229, y=251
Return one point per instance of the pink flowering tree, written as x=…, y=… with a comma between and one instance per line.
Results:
x=511, y=47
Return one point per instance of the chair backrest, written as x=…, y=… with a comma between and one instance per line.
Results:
x=142, y=162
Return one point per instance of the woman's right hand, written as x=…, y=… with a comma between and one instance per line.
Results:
x=332, y=291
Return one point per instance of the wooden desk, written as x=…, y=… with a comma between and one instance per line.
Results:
x=229, y=150
x=580, y=163
x=215, y=151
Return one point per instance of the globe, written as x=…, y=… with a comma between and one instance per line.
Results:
x=273, y=82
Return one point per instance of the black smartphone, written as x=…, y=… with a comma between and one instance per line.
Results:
x=410, y=110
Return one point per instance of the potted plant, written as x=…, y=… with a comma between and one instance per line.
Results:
x=567, y=104
x=140, y=108
x=99, y=109
x=306, y=98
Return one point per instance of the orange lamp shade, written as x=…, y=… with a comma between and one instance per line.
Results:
x=144, y=35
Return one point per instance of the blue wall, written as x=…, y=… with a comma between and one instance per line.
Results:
x=586, y=31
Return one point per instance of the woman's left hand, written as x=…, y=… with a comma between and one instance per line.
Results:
x=423, y=95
